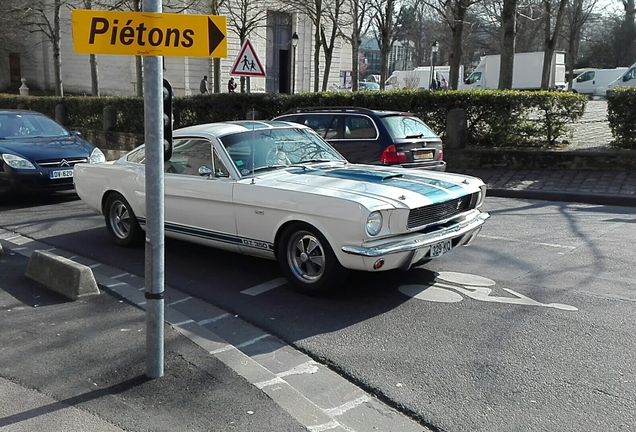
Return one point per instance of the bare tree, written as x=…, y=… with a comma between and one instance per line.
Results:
x=384, y=19
x=453, y=12
x=357, y=10
x=508, y=39
x=244, y=16
x=629, y=31
x=551, y=36
x=328, y=35
x=44, y=16
x=578, y=12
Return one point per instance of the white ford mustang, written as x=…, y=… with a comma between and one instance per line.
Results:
x=279, y=191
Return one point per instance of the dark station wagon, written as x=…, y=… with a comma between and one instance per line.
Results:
x=375, y=137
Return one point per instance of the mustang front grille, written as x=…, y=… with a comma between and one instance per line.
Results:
x=437, y=213
x=61, y=163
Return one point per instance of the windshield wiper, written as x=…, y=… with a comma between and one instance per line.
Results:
x=419, y=135
x=269, y=167
x=315, y=161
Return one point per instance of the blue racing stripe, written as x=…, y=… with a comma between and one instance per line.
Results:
x=435, y=190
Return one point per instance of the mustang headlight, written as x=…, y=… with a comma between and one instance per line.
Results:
x=97, y=156
x=17, y=162
x=374, y=223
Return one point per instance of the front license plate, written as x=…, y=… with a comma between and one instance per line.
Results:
x=61, y=174
x=439, y=249
x=422, y=155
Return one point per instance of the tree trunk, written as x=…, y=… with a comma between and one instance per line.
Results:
x=317, y=45
x=217, y=75
x=455, y=56
x=57, y=52
x=355, y=46
x=550, y=39
x=94, y=75
x=139, y=76
x=508, y=27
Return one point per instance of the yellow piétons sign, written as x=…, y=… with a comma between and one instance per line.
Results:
x=148, y=34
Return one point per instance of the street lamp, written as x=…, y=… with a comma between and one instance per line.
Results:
x=434, y=49
x=294, y=42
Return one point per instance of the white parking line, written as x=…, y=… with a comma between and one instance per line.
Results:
x=264, y=287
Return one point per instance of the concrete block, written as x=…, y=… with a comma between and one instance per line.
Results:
x=62, y=275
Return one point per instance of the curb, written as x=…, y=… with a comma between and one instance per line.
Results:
x=316, y=396
x=612, y=200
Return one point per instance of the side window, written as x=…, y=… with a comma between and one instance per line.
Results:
x=586, y=76
x=359, y=127
x=220, y=170
x=320, y=123
x=188, y=155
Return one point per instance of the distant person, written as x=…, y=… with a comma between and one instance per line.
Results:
x=231, y=85
x=444, y=84
x=438, y=84
x=203, y=86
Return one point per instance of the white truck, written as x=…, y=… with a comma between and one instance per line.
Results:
x=418, y=78
x=526, y=72
x=594, y=82
x=626, y=79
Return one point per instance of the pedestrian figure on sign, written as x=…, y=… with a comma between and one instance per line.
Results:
x=203, y=86
x=231, y=85
x=246, y=62
x=253, y=66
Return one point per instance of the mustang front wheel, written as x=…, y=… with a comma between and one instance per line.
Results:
x=308, y=261
x=121, y=222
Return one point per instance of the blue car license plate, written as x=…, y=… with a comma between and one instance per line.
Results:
x=58, y=174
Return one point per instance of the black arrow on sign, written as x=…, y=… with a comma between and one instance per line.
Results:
x=215, y=35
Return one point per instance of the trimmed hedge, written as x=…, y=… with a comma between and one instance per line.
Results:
x=495, y=118
x=621, y=114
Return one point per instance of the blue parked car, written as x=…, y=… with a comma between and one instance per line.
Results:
x=37, y=154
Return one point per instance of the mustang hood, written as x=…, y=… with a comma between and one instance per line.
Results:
x=47, y=147
x=398, y=186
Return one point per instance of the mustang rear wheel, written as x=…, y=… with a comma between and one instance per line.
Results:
x=307, y=260
x=121, y=222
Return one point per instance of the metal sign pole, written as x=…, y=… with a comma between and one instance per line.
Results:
x=155, y=254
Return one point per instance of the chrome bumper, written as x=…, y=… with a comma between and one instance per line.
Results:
x=467, y=229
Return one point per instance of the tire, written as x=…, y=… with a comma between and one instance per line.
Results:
x=121, y=222
x=308, y=261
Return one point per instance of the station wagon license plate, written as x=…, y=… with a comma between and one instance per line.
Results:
x=61, y=174
x=439, y=249
x=423, y=154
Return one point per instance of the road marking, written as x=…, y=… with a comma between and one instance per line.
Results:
x=264, y=287
x=179, y=301
x=250, y=342
x=215, y=319
x=472, y=286
x=310, y=367
x=337, y=411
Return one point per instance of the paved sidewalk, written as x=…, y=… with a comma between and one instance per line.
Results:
x=593, y=187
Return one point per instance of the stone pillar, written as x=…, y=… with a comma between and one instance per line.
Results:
x=24, y=90
x=61, y=114
x=110, y=118
x=456, y=129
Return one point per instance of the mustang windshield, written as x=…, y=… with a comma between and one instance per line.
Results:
x=276, y=148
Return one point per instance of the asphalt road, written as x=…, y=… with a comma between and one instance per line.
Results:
x=530, y=328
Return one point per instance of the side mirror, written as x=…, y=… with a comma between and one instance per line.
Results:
x=205, y=171
x=76, y=133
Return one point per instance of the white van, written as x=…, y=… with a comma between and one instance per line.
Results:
x=628, y=79
x=594, y=82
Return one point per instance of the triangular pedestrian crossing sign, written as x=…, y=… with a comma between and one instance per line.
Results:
x=247, y=63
